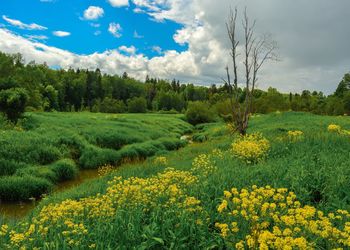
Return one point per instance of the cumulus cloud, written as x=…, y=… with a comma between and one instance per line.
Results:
x=61, y=33
x=93, y=13
x=115, y=29
x=110, y=61
x=119, y=3
x=314, y=51
x=130, y=50
x=21, y=25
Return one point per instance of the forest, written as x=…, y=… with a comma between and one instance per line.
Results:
x=37, y=87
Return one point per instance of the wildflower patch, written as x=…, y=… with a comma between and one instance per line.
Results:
x=251, y=148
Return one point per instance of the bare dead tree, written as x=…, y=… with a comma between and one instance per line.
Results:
x=257, y=50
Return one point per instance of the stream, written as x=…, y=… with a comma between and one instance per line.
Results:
x=17, y=209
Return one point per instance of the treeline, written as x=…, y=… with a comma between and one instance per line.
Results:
x=38, y=87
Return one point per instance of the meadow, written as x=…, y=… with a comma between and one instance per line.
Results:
x=48, y=148
x=283, y=186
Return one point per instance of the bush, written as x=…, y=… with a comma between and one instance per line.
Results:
x=14, y=188
x=199, y=112
x=13, y=102
x=110, y=105
x=137, y=105
x=64, y=169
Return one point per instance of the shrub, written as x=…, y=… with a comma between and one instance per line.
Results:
x=64, y=169
x=110, y=105
x=13, y=102
x=137, y=105
x=199, y=112
x=23, y=187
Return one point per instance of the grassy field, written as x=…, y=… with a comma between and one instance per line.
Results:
x=47, y=148
x=285, y=188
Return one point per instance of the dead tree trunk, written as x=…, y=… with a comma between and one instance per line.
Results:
x=256, y=51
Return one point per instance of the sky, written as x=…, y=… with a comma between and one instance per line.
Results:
x=182, y=39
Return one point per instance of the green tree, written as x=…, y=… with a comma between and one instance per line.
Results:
x=199, y=112
x=13, y=102
x=50, y=98
x=137, y=105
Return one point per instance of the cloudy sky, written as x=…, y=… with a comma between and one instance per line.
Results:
x=183, y=39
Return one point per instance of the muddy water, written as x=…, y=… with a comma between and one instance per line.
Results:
x=20, y=209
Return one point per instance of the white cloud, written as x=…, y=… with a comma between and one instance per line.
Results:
x=21, y=25
x=315, y=53
x=139, y=10
x=137, y=35
x=119, y=3
x=97, y=33
x=157, y=49
x=37, y=37
x=130, y=50
x=61, y=33
x=93, y=13
x=172, y=64
x=115, y=29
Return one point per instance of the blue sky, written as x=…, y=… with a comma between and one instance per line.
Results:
x=84, y=38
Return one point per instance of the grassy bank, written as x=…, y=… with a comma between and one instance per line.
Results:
x=294, y=195
x=47, y=148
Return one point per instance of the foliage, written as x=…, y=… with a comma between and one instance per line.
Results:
x=109, y=105
x=137, y=105
x=199, y=112
x=13, y=102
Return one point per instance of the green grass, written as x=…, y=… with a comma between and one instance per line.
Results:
x=316, y=168
x=52, y=147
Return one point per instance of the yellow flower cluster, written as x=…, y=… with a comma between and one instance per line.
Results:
x=334, y=128
x=166, y=189
x=217, y=154
x=104, y=170
x=295, y=135
x=337, y=129
x=268, y=218
x=251, y=148
x=160, y=160
x=203, y=165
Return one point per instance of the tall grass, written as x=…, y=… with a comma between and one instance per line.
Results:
x=315, y=168
x=53, y=146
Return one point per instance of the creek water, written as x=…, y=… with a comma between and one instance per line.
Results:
x=20, y=209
